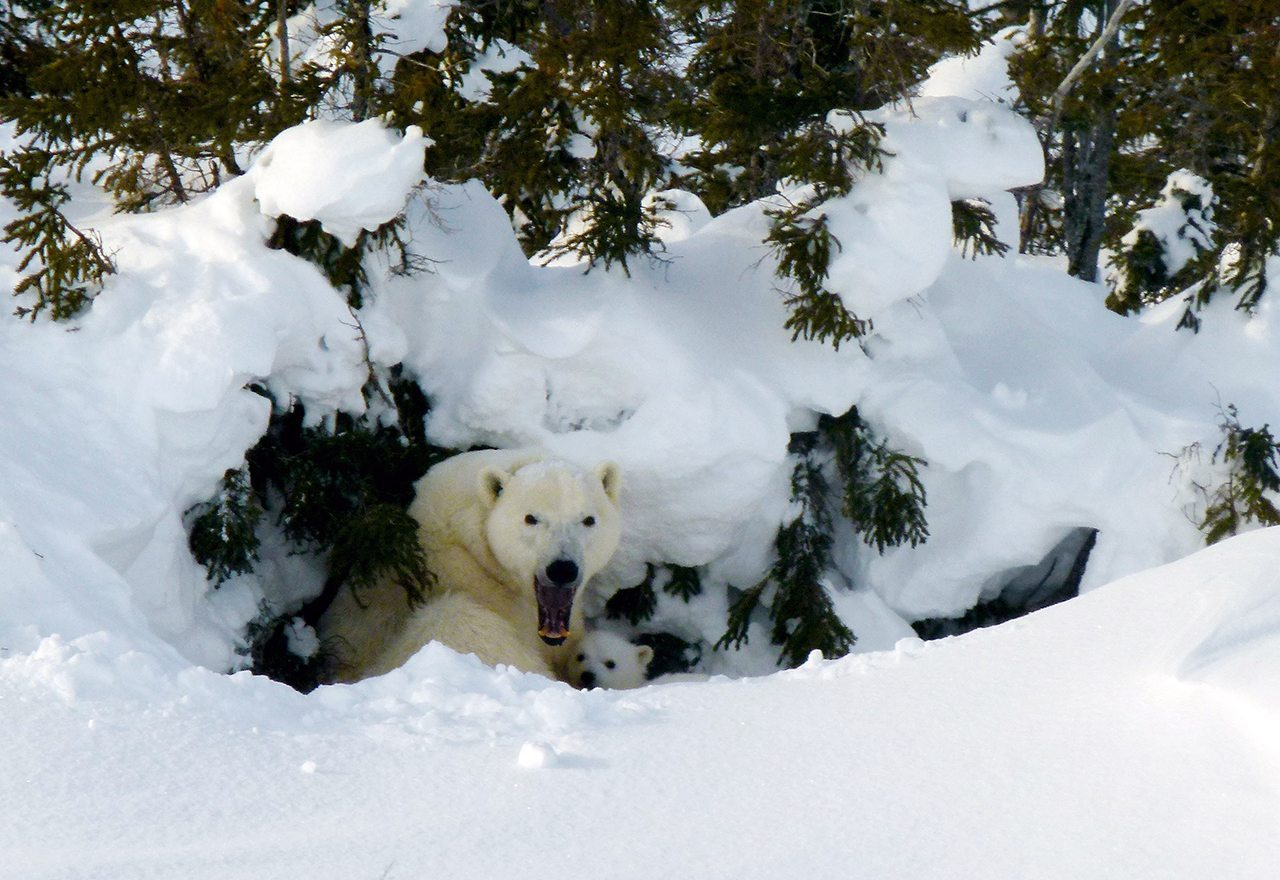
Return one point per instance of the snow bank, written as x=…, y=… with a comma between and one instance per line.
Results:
x=1082, y=741
x=1038, y=411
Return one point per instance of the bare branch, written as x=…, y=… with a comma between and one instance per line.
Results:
x=1064, y=87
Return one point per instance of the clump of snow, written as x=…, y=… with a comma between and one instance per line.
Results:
x=1181, y=221
x=537, y=756
x=679, y=214
x=349, y=176
x=981, y=77
x=498, y=57
x=400, y=28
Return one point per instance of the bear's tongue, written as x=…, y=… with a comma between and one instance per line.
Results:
x=554, y=606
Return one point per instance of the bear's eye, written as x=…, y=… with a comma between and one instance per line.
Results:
x=589, y=521
x=609, y=664
x=582, y=657
x=530, y=519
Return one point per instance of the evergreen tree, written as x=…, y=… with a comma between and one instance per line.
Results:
x=794, y=591
x=1215, y=109
x=1182, y=84
x=1069, y=75
x=1163, y=251
x=566, y=134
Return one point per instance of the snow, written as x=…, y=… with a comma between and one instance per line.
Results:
x=402, y=28
x=498, y=57
x=366, y=168
x=1183, y=232
x=1129, y=733
x=984, y=76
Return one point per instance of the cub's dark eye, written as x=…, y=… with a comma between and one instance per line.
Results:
x=530, y=519
x=609, y=664
x=589, y=521
x=582, y=657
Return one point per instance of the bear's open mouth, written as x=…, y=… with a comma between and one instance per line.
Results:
x=555, y=604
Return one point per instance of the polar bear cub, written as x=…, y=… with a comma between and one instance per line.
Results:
x=606, y=660
x=512, y=537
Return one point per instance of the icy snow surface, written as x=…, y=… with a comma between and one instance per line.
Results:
x=1131, y=733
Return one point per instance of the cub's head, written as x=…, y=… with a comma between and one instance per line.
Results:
x=552, y=526
x=605, y=660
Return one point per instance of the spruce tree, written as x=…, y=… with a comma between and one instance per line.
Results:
x=794, y=591
x=567, y=139
x=1183, y=84
x=1165, y=251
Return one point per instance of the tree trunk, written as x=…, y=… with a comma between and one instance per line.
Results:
x=1087, y=145
x=1086, y=163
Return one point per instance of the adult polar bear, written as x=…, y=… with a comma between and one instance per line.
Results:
x=512, y=537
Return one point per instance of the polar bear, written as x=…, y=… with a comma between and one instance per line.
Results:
x=606, y=660
x=601, y=659
x=512, y=537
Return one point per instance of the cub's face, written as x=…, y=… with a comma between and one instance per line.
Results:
x=609, y=661
x=552, y=527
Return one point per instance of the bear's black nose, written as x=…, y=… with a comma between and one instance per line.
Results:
x=562, y=572
x=588, y=679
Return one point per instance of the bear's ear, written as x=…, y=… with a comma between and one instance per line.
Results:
x=609, y=477
x=492, y=482
x=644, y=654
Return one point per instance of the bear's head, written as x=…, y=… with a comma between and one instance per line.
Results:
x=552, y=527
x=606, y=660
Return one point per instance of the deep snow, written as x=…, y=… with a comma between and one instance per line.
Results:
x=1130, y=733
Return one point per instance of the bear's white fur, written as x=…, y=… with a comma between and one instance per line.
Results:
x=512, y=537
x=606, y=660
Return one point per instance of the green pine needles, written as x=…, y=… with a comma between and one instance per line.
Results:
x=883, y=500
x=973, y=226
x=65, y=265
x=223, y=532
x=1246, y=495
x=803, y=246
x=884, y=497
x=799, y=606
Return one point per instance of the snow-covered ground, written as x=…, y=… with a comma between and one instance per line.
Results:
x=1130, y=733
x=1134, y=732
